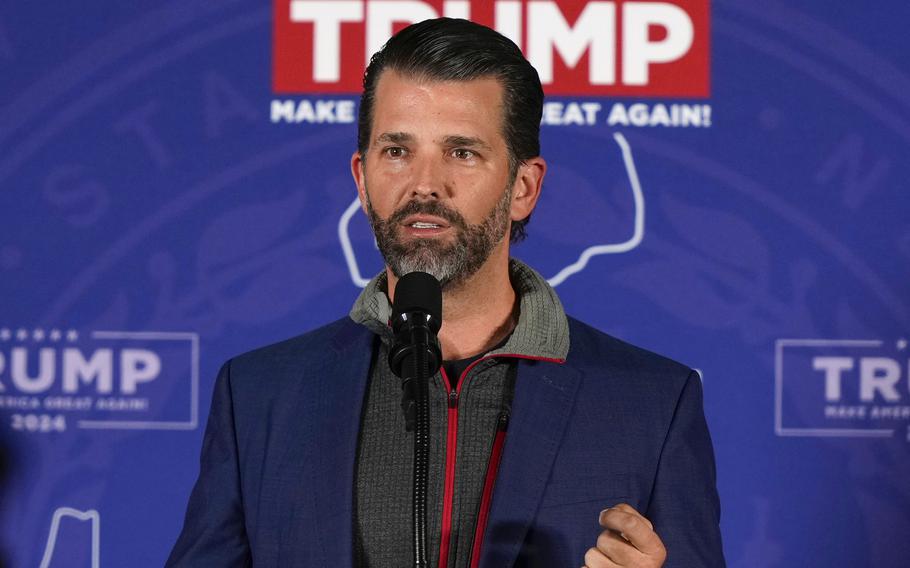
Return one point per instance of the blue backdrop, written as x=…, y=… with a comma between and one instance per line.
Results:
x=157, y=217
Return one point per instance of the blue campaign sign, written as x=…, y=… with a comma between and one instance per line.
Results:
x=726, y=186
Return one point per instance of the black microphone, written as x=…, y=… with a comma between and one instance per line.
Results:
x=416, y=319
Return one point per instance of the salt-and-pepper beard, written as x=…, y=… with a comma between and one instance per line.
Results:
x=450, y=262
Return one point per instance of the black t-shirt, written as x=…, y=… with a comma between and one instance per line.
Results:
x=455, y=368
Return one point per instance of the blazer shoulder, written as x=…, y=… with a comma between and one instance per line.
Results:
x=297, y=353
x=593, y=349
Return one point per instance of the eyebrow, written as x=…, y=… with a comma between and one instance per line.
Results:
x=394, y=138
x=466, y=141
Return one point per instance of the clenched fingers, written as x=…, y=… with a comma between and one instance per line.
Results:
x=629, y=540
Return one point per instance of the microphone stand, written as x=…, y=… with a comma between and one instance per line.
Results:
x=416, y=404
x=418, y=354
x=415, y=357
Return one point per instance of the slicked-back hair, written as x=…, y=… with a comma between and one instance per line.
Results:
x=447, y=49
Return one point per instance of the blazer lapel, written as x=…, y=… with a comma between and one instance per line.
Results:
x=543, y=402
x=341, y=392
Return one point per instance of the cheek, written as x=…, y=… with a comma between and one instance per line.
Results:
x=489, y=185
x=384, y=186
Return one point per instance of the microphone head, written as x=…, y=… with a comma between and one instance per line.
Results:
x=418, y=291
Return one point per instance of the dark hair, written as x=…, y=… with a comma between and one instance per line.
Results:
x=447, y=49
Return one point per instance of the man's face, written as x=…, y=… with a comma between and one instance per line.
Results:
x=435, y=179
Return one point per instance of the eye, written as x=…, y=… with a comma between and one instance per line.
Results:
x=394, y=152
x=462, y=154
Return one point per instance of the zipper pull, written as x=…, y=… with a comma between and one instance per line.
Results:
x=502, y=423
x=453, y=399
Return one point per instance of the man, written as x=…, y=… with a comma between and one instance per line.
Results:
x=552, y=444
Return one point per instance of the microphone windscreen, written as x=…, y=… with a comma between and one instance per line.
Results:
x=418, y=291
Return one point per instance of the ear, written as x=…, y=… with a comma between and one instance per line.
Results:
x=357, y=173
x=526, y=190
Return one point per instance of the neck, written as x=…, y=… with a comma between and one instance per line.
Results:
x=479, y=312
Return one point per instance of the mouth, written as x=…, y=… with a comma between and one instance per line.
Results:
x=424, y=225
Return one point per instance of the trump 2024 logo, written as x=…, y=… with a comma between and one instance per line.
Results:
x=54, y=380
x=853, y=388
x=578, y=47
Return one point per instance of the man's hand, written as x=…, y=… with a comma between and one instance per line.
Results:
x=629, y=540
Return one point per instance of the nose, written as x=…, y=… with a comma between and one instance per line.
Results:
x=428, y=180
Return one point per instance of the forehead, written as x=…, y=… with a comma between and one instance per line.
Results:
x=432, y=109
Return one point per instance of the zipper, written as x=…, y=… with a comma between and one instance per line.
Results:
x=489, y=482
x=451, y=447
x=449, y=486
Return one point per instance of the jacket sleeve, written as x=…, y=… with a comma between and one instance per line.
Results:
x=684, y=505
x=213, y=530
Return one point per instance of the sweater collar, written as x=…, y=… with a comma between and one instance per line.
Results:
x=542, y=330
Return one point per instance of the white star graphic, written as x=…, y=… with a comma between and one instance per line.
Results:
x=21, y=334
x=901, y=344
x=72, y=335
x=38, y=335
x=5, y=334
x=55, y=335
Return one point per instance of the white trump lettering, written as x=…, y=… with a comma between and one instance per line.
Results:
x=99, y=367
x=77, y=369
x=878, y=375
x=834, y=368
x=508, y=20
x=382, y=15
x=638, y=53
x=19, y=370
x=326, y=18
x=137, y=366
x=594, y=31
x=539, y=27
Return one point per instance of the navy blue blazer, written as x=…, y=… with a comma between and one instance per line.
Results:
x=612, y=424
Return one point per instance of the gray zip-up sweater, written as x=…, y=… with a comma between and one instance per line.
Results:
x=467, y=422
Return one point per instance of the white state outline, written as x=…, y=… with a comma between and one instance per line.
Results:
x=779, y=391
x=193, y=338
x=90, y=515
x=638, y=232
x=349, y=257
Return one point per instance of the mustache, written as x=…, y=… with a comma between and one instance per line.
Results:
x=434, y=208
